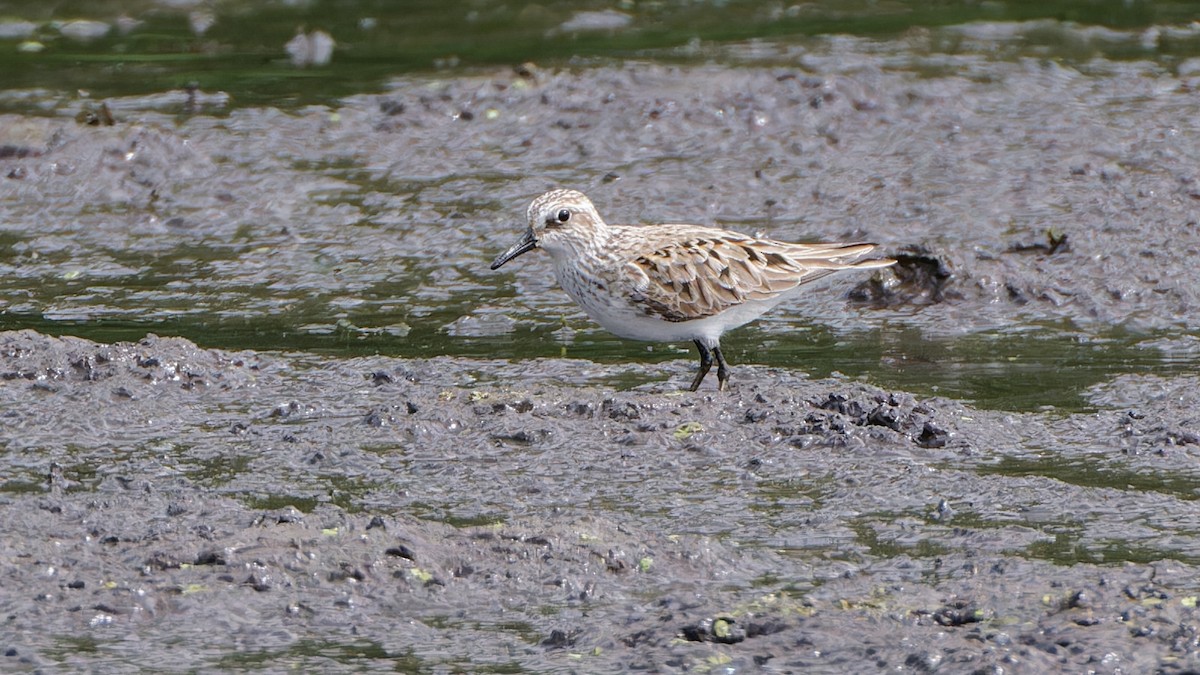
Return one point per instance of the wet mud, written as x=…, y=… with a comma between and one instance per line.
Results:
x=281, y=510
x=247, y=510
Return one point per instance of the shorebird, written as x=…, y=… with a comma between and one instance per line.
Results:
x=668, y=283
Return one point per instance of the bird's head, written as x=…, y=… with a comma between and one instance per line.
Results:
x=559, y=221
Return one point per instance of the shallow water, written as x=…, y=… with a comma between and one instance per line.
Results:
x=365, y=227
x=1032, y=369
x=130, y=47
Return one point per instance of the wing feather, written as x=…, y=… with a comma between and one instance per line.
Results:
x=700, y=272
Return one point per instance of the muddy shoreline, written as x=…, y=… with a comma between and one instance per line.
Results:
x=282, y=510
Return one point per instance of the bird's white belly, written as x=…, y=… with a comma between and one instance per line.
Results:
x=612, y=309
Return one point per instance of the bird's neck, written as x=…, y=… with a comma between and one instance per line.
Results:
x=594, y=249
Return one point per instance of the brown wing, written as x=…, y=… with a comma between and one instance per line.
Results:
x=708, y=272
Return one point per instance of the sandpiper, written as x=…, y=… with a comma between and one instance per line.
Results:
x=668, y=283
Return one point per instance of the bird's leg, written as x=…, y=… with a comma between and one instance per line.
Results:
x=706, y=361
x=722, y=371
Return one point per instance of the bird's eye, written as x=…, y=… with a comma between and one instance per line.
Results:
x=564, y=215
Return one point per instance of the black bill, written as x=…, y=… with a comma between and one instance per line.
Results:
x=526, y=243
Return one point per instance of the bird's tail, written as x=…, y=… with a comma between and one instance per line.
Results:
x=825, y=259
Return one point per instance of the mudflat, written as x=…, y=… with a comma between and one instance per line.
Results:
x=280, y=509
